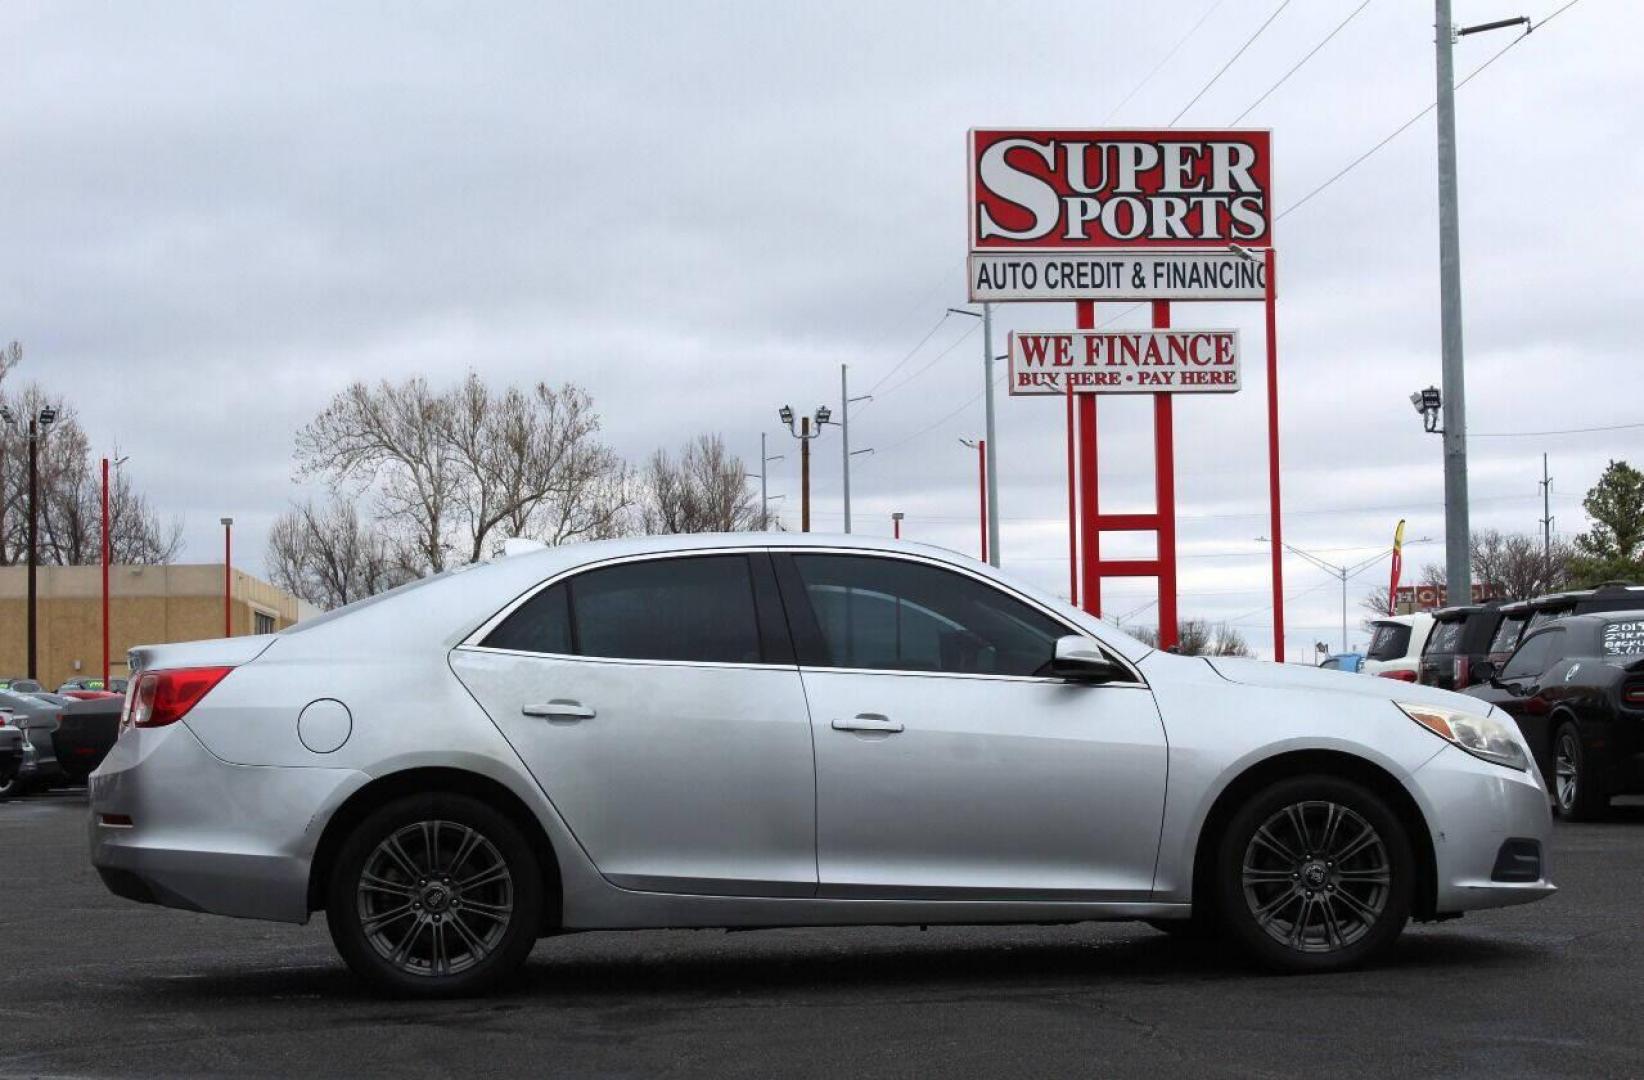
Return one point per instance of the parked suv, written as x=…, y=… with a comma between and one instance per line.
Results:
x=1395, y=646
x=1459, y=646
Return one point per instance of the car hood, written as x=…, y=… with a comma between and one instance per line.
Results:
x=1298, y=677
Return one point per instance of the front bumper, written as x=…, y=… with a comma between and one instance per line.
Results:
x=1474, y=808
x=205, y=835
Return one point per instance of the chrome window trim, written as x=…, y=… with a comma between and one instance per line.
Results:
x=472, y=641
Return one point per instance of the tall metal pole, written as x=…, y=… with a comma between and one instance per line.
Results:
x=228, y=577
x=992, y=556
x=845, y=440
x=982, y=493
x=105, y=573
x=1457, y=543
x=1546, y=518
x=804, y=474
x=1344, y=609
x=764, y=490
x=34, y=531
x=1274, y=517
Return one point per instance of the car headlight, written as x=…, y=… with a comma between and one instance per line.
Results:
x=1482, y=736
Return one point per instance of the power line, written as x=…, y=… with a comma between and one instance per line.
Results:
x=909, y=355
x=1310, y=54
x=1165, y=60
x=1565, y=431
x=932, y=362
x=1402, y=128
x=1248, y=42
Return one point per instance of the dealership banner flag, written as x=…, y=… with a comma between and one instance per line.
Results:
x=1398, y=568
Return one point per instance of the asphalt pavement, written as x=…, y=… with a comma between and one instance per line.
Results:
x=91, y=985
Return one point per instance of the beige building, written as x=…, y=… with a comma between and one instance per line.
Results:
x=148, y=605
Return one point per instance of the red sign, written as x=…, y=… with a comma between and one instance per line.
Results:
x=1124, y=361
x=1060, y=190
x=1412, y=598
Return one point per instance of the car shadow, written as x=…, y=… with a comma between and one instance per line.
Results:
x=832, y=963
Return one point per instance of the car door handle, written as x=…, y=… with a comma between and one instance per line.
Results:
x=869, y=722
x=560, y=709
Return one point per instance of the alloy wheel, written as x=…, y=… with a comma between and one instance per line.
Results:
x=1316, y=876
x=1565, y=771
x=435, y=898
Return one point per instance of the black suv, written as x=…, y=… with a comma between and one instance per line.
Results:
x=1459, y=643
x=1576, y=688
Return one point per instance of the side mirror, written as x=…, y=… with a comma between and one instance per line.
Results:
x=1080, y=659
x=1485, y=672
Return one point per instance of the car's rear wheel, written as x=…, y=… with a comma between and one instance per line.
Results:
x=1576, y=796
x=435, y=895
x=1315, y=873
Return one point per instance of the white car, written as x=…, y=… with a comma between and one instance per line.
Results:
x=773, y=730
x=1395, y=646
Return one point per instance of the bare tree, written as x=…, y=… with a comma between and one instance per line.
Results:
x=1198, y=637
x=704, y=490
x=447, y=470
x=328, y=556
x=1518, y=563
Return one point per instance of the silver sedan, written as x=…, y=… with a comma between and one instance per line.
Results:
x=766, y=730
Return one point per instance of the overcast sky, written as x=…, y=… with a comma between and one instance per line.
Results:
x=216, y=216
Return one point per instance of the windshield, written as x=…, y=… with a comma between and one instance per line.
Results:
x=1390, y=641
x=1624, y=638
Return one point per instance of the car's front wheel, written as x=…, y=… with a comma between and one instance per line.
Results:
x=1315, y=873
x=435, y=895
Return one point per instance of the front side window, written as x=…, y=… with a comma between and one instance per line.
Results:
x=1534, y=656
x=895, y=615
x=1389, y=642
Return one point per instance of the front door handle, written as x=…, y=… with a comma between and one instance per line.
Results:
x=869, y=722
x=560, y=709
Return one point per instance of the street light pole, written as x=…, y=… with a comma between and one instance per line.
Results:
x=39, y=424
x=1457, y=545
x=984, y=518
x=896, y=525
x=105, y=573
x=805, y=434
x=991, y=556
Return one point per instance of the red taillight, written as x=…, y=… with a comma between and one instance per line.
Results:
x=159, y=698
x=1463, y=673
x=1400, y=676
x=1633, y=693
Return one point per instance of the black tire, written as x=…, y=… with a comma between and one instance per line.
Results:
x=14, y=788
x=1581, y=799
x=1336, y=905
x=472, y=895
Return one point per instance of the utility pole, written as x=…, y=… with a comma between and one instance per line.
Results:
x=845, y=451
x=38, y=425
x=764, y=488
x=992, y=554
x=896, y=525
x=228, y=577
x=1546, y=518
x=1458, y=574
x=983, y=517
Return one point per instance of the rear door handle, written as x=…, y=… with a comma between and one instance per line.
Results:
x=560, y=709
x=869, y=722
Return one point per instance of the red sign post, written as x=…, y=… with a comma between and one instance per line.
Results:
x=1152, y=215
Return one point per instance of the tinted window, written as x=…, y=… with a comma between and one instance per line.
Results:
x=1534, y=656
x=1624, y=637
x=906, y=616
x=1507, y=633
x=542, y=624
x=1445, y=638
x=1389, y=642
x=1545, y=616
x=699, y=609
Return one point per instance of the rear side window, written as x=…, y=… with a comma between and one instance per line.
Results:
x=542, y=625
x=1389, y=642
x=696, y=609
x=1446, y=637
x=1544, y=617
x=1624, y=638
x=1507, y=633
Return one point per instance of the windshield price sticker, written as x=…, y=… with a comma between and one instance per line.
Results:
x=1624, y=638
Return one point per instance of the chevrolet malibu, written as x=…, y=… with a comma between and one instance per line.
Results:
x=766, y=730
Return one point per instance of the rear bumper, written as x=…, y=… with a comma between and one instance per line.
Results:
x=205, y=835
x=1474, y=809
